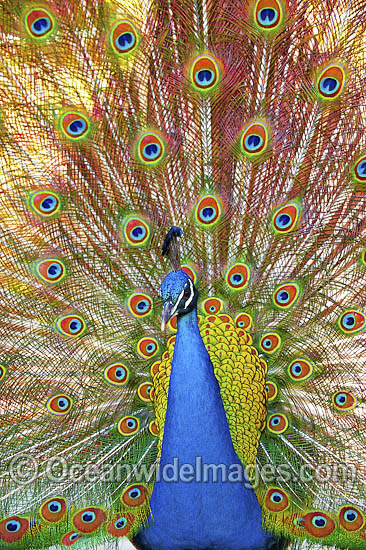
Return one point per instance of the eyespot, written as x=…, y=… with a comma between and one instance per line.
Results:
x=134, y=495
x=3, y=371
x=276, y=500
x=237, y=276
x=318, y=524
x=153, y=428
x=59, y=404
x=204, y=73
x=352, y=321
x=286, y=295
x=191, y=272
x=244, y=321
x=123, y=37
x=53, y=509
x=277, y=423
x=147, y=347
x=13, y=528
x=331, y=81
x=173, y=324
x=359, y=170
x=208, y=211
x=300, y=369
x=70, y=538
x=143, y=391
x=286, y=218
x=75, y=126
x=270, y=342
x=45, y=203
x=350, y=518
x=212, y=306
x=136, y=231
x=121, y=525
x=140, y=305
x=88, y=519
x=254, y=138
x=116, y=374
x=39, y=23
x=51, y=270
x=150, y=148
x=71, y=325
x=344, y=400
x=154, y=369
x=128, y=425
x=271, y=390
x=268, y=14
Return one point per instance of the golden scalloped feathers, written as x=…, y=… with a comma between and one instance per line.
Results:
x=241, y=376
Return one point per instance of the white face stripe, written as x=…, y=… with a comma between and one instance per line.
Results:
x=192, y=294
x=181, y=296
x=176, y=304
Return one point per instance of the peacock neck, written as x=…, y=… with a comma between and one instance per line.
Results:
x=195, y=422
x=199, y=513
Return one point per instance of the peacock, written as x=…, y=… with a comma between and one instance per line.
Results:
x=183, y=267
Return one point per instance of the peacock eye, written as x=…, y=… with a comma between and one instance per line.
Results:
x=134, y=495
x=331, y=81
x=45, y=203
x=276, y=500
x=74, y=126
x=254, y=138
x=350, y=518
x=70, y=538
x=150, y=148
x=318, y=524
x=39, y=23
x=88, y=520
x=204, y=73
x=268, y=14
x=123, y=37
x=54, y=509
x=187, y=292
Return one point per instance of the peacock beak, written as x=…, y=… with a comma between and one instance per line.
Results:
x=166, y=314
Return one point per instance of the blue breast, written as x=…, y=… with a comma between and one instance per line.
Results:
x=191, y=510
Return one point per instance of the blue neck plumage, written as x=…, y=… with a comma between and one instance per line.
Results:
x=198, y=513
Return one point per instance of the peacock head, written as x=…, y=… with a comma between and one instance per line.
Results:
x=179, y=296
x=177, y=290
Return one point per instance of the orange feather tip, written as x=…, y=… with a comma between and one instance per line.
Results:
x=212, y=306
x=268, y=15
x=330, y=81
x=208, y=211
x=286, y=218
x=13, y=528
x=71, y=325
x=128, y=425
x=135, y=495
x=88, y=520
x=46, y=203
x=121, y=525
x=74, y=125
x=204, y=73
x=150, y=148
x=54, y=509
x=116, y=374
x=124, y=38
x=39, y=23
x=140, y=305
x=254, y=139
x=59, y=404
x=136, y=231
x=147, y=347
